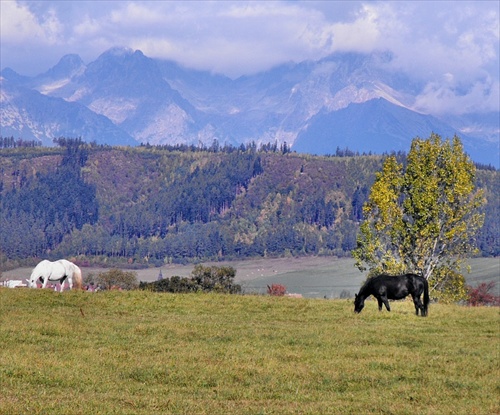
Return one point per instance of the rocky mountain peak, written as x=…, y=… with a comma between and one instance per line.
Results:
x=67, y=67
x=313, y=105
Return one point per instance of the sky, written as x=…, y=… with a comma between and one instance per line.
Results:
x=450, y=47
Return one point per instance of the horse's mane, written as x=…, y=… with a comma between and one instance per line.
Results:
x=366, y=284
x=369, y=280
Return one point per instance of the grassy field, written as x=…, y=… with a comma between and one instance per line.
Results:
x=148, y=353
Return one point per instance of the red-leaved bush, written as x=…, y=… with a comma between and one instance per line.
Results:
x=277, y=290
x=481, y=295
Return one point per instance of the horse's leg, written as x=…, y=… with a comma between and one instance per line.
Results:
x=61, y=282
x=379, y=300
x=415, y=303
x=418, y=304
x=386, y=303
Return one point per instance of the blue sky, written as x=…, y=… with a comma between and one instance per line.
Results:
x=450, y=47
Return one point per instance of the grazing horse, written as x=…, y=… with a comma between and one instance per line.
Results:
x=58, y=271
x=387, y=287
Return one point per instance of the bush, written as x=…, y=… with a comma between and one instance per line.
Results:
x=206, y=279
x=170, y=285
x=481, y=295
x=117, y=279
x=345, y=295
x=218, y=279
x=276, y=290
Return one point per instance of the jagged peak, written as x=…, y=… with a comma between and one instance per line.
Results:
x=71, y=59
x=68, y=65
x=120, y=55
x=118, y=51
x=11, y=75
x=6, y=72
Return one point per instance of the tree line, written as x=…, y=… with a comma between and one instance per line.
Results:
x=11, y=142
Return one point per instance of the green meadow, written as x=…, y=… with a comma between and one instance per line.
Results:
x=139, y=352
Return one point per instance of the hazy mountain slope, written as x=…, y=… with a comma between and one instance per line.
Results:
x=32, y=115
x=345, y=99
x=376, y=126
x=369, y=126
x=128, y=88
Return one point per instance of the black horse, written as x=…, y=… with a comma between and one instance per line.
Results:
x=387, y=287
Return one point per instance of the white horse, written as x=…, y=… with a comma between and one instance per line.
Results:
x=58, y=271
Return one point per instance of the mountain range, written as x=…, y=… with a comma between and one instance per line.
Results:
x=126, y=98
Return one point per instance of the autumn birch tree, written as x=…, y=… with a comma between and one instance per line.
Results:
x=424, y=217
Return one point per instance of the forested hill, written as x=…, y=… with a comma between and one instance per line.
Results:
x=157, y=205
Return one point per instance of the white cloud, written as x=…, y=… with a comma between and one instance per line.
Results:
x=443, y=39
x=426, y=39
x=88, y=27
x=233, y=38
x=453, y=51
x=448, y=97
x=20, y=25
x=361, y=35
x=137, y=15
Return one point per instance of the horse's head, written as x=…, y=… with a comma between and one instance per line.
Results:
x=359, y=303
x=31, y=282
x=34, y=278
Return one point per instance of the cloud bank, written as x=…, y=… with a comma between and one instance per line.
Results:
x=451, y=48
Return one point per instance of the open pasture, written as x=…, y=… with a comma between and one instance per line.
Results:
x=313, y=277
x=148, y=353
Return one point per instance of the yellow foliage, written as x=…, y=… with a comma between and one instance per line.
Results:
x=423, y=218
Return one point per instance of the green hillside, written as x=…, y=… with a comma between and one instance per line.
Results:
x=152, y=205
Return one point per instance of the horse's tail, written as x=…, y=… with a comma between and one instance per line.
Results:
x=426, y=297
x=77, y=277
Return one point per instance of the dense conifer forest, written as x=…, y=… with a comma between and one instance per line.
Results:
x=166, y=204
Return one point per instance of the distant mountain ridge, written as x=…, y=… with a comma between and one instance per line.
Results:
x=28, y=114
x=344, y=100
x=380, y=125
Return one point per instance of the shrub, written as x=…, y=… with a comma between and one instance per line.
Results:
x=481, y=295
x=345, y=295
x=276, y=290
x=450, y=285
x=218, y=279
x=207, y=279
x=117, y=279
x=170, y=285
